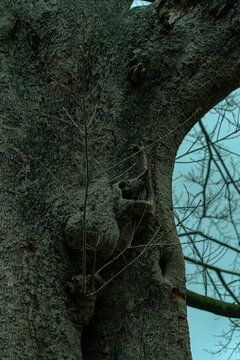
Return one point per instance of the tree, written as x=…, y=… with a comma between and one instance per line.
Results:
x=96, y=100
x=206, y=169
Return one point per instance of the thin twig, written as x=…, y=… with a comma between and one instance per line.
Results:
x=84, y=232
x=74, y=123
x=147, y=247
x=40, y=113
x=218, y=270
x=64, y=191
x=126, y=247
x=111, y=181
x=226, y=286
x=210, y=238
x=147, y=146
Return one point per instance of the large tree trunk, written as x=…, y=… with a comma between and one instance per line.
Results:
x=84, y=85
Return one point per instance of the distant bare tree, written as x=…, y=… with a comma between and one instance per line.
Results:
x=209, y=172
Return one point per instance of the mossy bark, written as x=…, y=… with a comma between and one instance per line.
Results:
x=133, y=77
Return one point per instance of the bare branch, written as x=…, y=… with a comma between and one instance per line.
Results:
x=214, y=306
x=208, y=237
x=210, y=266
x=227, y=287
x=159, y=140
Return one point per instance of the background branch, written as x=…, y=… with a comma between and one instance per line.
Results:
x=212, y=305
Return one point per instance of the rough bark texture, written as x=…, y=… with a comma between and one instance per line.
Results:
x=133, y=77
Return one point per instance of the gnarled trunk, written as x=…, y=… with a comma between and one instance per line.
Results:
x=96, y=100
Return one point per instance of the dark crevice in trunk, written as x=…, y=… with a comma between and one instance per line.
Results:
x=162, y=264
x=88, y=340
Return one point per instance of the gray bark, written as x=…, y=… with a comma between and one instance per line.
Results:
x=134, y=77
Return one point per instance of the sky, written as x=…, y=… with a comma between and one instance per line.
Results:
x=206, y=329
